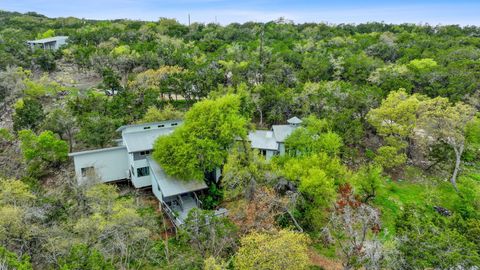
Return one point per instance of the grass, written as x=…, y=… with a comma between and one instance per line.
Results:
x=394, y=196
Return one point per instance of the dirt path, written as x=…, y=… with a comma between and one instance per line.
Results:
x=324, y=262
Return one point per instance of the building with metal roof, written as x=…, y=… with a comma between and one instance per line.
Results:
x=131, y=160
x=294, y=121
x=51, y=43
x=144, y=140
x=272, y=142
x=263, y=139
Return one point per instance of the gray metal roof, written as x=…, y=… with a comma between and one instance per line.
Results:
x=170, y=186
x=50, y=39
x=95, y=151
x=281, y=132
x=294, y=120
x=263, y=139
x=143, y=140
x=148, y=124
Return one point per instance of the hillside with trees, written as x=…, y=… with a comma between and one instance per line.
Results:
x=383, y=173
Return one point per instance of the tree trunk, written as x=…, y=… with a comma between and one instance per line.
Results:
x=261, y=116
x=70, y=141
x=458, y=155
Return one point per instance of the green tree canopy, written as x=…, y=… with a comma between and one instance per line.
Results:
x=280, y=251
x=201, y=144
x=42, y=151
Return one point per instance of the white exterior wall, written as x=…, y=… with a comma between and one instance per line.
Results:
x=110, y=164
x=281, y=148
x=155, y=188
x=59, y=43
x=140, y=182
x=269, y=154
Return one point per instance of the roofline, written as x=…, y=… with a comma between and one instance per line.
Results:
x=262, y=148
x=96, y=151
x=50, y=39
x=149, y=149
x=146, y=124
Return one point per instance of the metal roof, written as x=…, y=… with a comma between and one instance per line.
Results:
x=263, y=139
x=144, y=139
x=95, y=151
x=281, y=132
x=50, y=39
x=294, y=120
x=148, y=124
x=170, y=186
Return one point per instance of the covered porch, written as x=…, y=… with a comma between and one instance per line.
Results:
x=177, y=197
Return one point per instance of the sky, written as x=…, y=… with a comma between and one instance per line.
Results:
x=462, y=12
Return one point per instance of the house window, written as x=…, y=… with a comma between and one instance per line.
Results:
x=161, y=125
x=88, y=171
x=144, y=153
x=174, y=124
x=146, y=127
x=144, y=171
x=263, y=152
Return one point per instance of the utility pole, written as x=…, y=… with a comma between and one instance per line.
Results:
x=188, y=19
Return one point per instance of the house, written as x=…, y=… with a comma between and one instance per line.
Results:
x=131, y=160
x=272, y=142
x=52, y=43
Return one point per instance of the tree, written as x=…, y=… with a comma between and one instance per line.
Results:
x=156, y=115
x=28, y=114
x=10, y=260
x=15, y=192
x=263, y=210
x=209, y=234
x=280, y=250
x=369, y=181
x=397, y=114
x=111, y=81
x=442, y=122
x=46, y=34
x=316, y=176
x=124, y=59
x=201, y=144
x=472, y=137
x=430, y=241
x=314, y=136
x=16, y=218
x=353, y=227
x=42, y=151
x=62, y=123
x=211, y=263
x=243, y=171
x=45, y=59
x=83, y=257
x=395, y=120
x=12, y=82
x=393, y=76
x=114, y=227
x=97, y=130
x=6, y=137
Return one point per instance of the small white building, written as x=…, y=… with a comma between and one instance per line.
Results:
x=131, y=160
x=272, y=142
x=51, y=43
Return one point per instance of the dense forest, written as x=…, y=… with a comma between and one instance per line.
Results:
x=384, y=172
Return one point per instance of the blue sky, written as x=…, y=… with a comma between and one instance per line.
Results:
x=463, y=12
